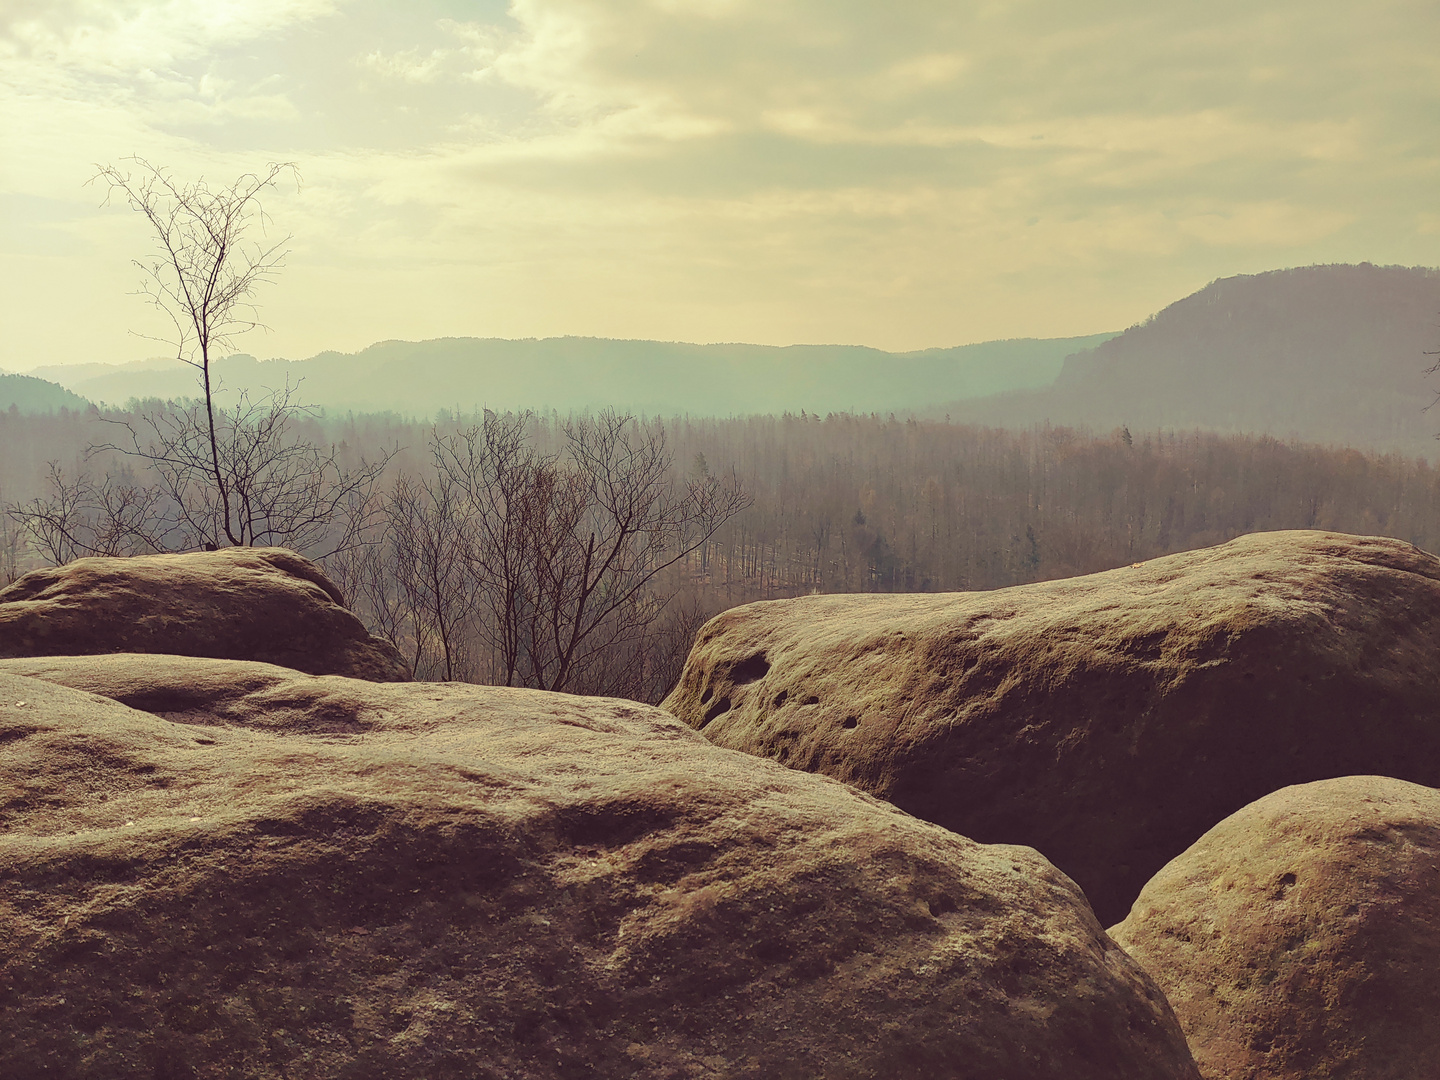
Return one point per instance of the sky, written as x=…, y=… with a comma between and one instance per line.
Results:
x=904, y=175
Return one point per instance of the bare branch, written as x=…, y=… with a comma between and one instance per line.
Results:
x=564, y=551
x=205, y=276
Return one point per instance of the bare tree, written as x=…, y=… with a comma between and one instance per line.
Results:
x=648, y=666
x=9, y=551
x=543, y=557
x=279, y=487
x=204, y=277
x=240, y=474
x=571, y=550
x=426, y=532
x=366, y=574
x=637, y=523
x=497, y=468
x=117, y=516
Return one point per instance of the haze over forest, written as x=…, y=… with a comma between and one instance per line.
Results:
x=553, y=205
x=1261, y=402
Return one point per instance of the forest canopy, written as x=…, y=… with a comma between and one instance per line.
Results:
x=848, y=503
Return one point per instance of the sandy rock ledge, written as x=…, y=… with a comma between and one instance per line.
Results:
x=266, y=604
x=280, y=875
x=1107, y=720
x=1299, y=939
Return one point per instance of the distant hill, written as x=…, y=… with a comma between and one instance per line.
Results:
x=27, y=394
x=1329, y=354
x=653, y=377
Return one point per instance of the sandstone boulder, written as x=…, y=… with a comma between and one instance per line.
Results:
x=1300, y=937
x=266, y=604
x=291, y=875
x=1106, y=720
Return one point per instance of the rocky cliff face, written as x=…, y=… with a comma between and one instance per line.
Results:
x=214, y=868
x=1300, y=937
x=1106, y=720
x=266, y=604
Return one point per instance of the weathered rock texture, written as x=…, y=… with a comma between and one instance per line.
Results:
x=266, y=604
x=316, y=876
x=1299, y=939
x=1107, y=720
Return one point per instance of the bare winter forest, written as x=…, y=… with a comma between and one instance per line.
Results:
x=582, y=553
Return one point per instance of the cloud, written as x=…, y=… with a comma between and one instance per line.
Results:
x=469, y=55
x=127, y=37
x=872, y=73
x=407, y=66
x=906, y=175
x=145, y=60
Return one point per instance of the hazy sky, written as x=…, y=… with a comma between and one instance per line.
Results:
x=899, y=174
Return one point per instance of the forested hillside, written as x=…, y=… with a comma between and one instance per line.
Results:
x=856, y=504
x=1330, y=354
x=865, y=503
x=27, y=394
x=1324, y=354
x=853, y=504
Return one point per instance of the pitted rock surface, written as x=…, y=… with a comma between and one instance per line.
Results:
x=318, y=876
x=265, y=604
x=1300, y=937
x=1105, y=720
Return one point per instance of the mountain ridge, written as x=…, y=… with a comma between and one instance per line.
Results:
x=580, y=372
x=1334, y=353
x=1330, y=354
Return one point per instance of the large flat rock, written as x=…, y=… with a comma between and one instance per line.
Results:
x=242, y=603
x=1106, y=720
x=268, y=874
x=1300, y=937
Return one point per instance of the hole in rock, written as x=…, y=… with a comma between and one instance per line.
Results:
x=941, y=905
x=721, y=706
x=750, y=669
x=851, y=721
x=781, y=698
x=811, y=700
x=774, y=950
x=613, y=824
x=707, y=695
x=1149, y=646
x=668, y=864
